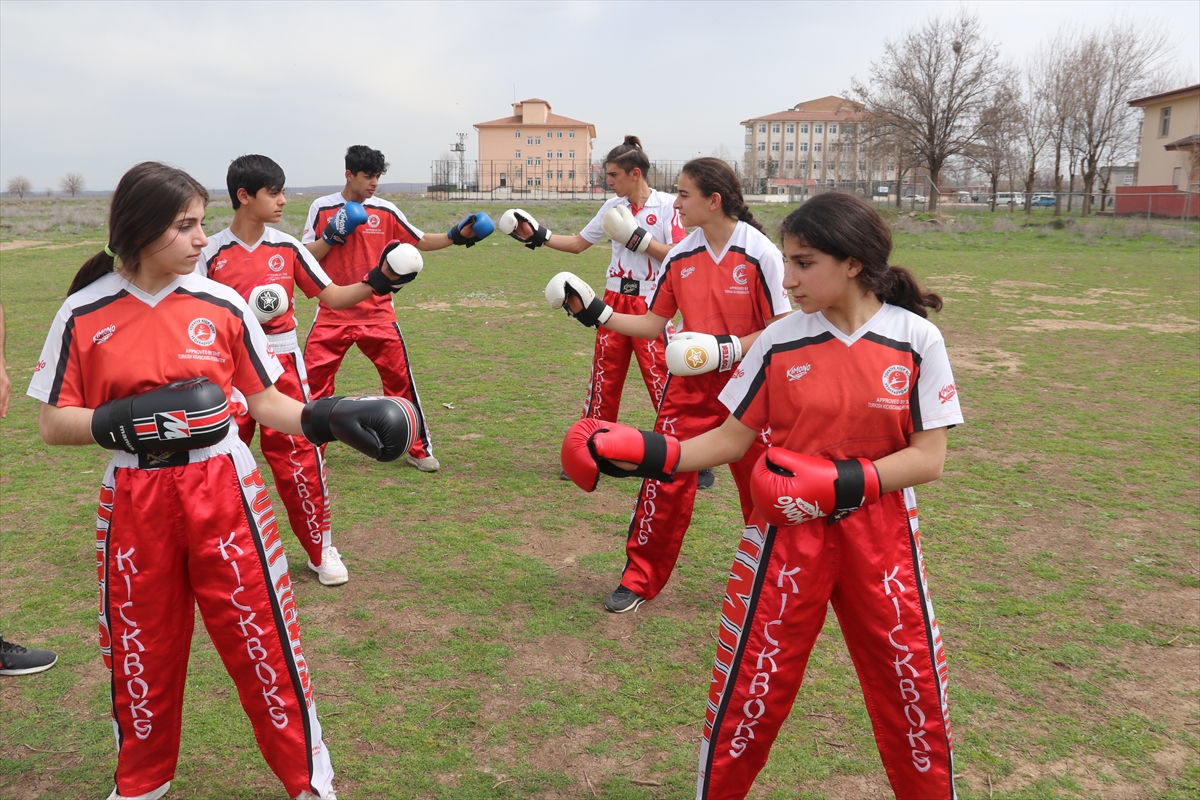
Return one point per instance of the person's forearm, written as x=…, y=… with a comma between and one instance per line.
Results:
x=568, y=244
x=273, y=409
x=337, y=296
x=434, y=241
x=66, y=425
x=319, y=249
x=722, y=445
x=643, y=326
x=920, y=462
x=658, y=250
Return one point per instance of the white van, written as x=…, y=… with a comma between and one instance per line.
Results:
x=1010, y=199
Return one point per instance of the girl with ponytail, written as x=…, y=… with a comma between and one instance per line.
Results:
x=857, y=392
x=726, y=280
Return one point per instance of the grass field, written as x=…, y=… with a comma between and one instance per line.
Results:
x=469, y=656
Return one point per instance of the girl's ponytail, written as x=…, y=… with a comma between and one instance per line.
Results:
x=900, y=288
x=93, y=270
x=745, y=216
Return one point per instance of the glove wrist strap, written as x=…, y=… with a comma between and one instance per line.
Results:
x=314, y=420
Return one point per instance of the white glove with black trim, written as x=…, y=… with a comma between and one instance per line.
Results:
x=509, y=221
x=691, y=353
x=595, y=312
x=622, y=227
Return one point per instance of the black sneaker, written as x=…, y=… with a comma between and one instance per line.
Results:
x=16, y=660
x=705, y=479
x=563, y=476
x=621, y=600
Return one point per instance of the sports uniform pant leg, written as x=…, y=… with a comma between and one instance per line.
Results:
x=324, y=350
x=663, y=510
x=610, y=365
x=298, y=468
x=774, y=608
x=384, y=345
x=146, y=621
x=882, y=602
x=240, y=577
x=651, y=356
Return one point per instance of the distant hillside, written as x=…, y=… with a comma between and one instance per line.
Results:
x=384, y=188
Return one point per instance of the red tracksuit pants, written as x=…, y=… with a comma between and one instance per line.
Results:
x=202, y=533
x=610, y=362
x=664, y=510
x=296, y=465
x=383, y=343
x=869, y=566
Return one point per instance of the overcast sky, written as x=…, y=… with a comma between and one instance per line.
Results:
x=95, y=87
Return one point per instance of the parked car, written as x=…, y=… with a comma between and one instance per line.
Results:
x=1010, y=199
x=912, y=197
x=1044, y=200
x=963, y=197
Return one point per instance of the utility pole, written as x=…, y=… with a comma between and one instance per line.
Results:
x=461, y=149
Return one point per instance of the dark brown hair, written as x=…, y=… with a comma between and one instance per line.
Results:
x=847, y=226
x=714, y=176
x=146, y=202
x=629, y=156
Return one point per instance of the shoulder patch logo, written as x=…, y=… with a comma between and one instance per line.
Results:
x=41, y=365
x=373, y=220
x=739, y=274
x=651, y=219
x=799, y=371
x=683, y=273
x=202, y=331
x=896, y=379
x=947, y=393
x=222, y=262
x=738, y=373
x=104, y=334
x=275, y=262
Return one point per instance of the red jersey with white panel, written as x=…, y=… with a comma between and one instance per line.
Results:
x=350, y=262
x=733, y=293
x=829, y=395
x=111, y=340
x=659, y=217
x=275, y=258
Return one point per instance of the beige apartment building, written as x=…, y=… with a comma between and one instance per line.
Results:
x=535, y=149
x=819, y=142
x=1170, y=134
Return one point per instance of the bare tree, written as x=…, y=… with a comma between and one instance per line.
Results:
x=1055, y=78
x=19, y=185
x=1115, y=66
x=932, y=84
x=72, y=183
x=1033, y=131
x=991, y=152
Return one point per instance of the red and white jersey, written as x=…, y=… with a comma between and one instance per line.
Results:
x=829, y=395
x=275, y=258
x=111, y=339
x=350, y=262
x=735, y=292
x=659, y=218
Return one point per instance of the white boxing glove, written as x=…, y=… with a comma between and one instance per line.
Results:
x=401, y=258
x=268, y=302
x=513, y=217
x=595, y=311
x=405, y=260
x=691, y=353
x=622, y=227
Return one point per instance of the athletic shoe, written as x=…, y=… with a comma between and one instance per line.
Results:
x=332, y=571
x=705, y=479
x=16, y=660
x=154, y=794
x=621, y=600
x=426, y=464
x=307, y=795
x=563, y=476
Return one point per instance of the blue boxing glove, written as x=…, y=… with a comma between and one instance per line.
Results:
x=343, y=223
x=481, y=227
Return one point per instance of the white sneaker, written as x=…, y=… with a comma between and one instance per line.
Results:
x=332, y=571
x=307, y=795
x=151, y=795
x=426, y=464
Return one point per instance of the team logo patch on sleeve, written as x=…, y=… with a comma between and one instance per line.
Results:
x=896, y=379
x=947, y=393
x=202, y=331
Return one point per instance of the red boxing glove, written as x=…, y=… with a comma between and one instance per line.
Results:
x=591, y=445
x=790, y=488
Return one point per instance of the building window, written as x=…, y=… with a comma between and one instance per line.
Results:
x=518, y=155
x=529, y=162
x=816, y=166
x=847, y=147
x=537, y=162
x=537, y=140
x=1165, y=125
x=774, y=147
x=817, y=128
x=762, y=127
x=762, y=147
x=775, y=127
x=537, y=181
x=832, y=128
x=749, y=130
x=571, y=133
x=549, y=134
x=791, y=128
x=560, y=153
x=762, y=164
x=817, y=147
x=560, y=174
x=787, y=165
x=571, y=175
x=848, y=129
x=549, y=154
x=529, y=140
x=749, y=147
x=559, y=134
x=804, y=147
x=529, y=181
x=571, y=154
x=804, y=127
x=862, y=166
x=791, y=147
x=518, y=134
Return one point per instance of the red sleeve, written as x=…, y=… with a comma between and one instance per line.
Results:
x=677, y=229
x=663, y=302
